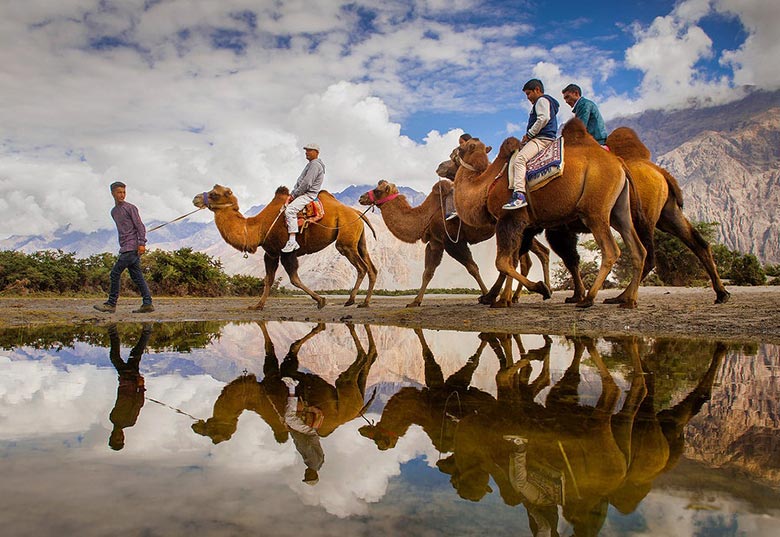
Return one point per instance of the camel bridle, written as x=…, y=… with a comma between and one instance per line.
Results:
x=378, y=202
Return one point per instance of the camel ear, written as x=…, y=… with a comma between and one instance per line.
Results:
x=488, y=149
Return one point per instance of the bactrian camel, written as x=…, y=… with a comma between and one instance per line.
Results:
x=426, y=223
x=592, y=194
x=662, y=202
x=340, y=224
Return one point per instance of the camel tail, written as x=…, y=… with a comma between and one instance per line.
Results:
x=674, y=186
x=641, y=224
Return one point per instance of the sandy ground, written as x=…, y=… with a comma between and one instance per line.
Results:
x=751, y=315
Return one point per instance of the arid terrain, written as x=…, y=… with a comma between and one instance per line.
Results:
x=752, y=313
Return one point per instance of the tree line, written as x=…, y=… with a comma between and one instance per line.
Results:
x=185, y=272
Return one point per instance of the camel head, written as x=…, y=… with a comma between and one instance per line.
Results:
x=508, y=146
x=473, y=155
x=447, y=169
x=383, y=439
x=384, y=191
x=219, y=197
x=218, y=431
x=625, y=143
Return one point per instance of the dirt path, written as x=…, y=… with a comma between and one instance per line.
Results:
x=752, y=314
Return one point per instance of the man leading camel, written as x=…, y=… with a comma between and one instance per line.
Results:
x=586, y=111
x=306, y=190
x=540, y=133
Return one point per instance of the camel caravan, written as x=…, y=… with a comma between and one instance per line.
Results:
x=573, y=185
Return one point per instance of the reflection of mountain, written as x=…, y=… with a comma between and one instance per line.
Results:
x=739, y=426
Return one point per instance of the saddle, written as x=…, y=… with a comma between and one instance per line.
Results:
x=542, y=168
x=312, y=212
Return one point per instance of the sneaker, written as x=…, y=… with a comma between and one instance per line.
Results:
x=451, y=216
x=291, y=246
x=291, y=383
x=518, y=202
x=146, y=308
x=105, y=307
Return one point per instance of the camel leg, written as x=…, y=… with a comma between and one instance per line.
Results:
x=461, y=253
x=434, y=378
x=674, y=222
x=505, y=299
x=271, y=264
x=433, y=256
x=509, y=234
x=492, y=294
x=623, y=223
x=623, y=421
x=525, y=267
x=370, y=267
x=290, y=264
x=360, y=266
x=609, y=255
x=564, y=243
x=543, y=254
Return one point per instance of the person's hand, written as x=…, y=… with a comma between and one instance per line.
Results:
x=141, y=249
x=525, y=139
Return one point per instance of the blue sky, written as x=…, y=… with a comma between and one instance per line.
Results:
x=172, y=96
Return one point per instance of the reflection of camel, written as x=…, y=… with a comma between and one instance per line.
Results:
x=592, y=195
x=131, y=389
x=436, y=408
x=335, y=405
x=657, y=437
x=662, y=201
x=341, y=224
x=426, y=223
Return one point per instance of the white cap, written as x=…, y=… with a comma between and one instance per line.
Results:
x=316, y=147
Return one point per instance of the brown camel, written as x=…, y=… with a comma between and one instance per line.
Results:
x=341, y=224
x=592, y=195
x=662, y=203
x=426, y=223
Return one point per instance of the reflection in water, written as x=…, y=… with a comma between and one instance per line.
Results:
x=474, y=433
x=293, y=402
x=130, y=392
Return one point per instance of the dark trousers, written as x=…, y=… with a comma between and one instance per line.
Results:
x=132, y=262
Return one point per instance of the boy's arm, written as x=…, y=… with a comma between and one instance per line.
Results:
x=140, y=228
x=584, y=114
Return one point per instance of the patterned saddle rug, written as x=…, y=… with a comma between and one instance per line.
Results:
x=313, y=212
x=544, y=167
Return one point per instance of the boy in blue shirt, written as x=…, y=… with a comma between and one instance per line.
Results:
x=586, y=111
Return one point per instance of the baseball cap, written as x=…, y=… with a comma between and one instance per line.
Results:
x=316, y=147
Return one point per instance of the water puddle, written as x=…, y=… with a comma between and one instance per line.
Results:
x=166, y=429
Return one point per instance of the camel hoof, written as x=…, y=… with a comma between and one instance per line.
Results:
x=501, y=304
x=486, y=299
x=543, y=290
x=257, y=307
x=723, y=297
x=414, y=304
x=349, y=302
x=320, y=303
x=628, y=305
x=574, y=299
x=615, y=300
x=363, y=305
x=585, y=303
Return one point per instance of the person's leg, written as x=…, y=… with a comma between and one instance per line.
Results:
x=123, y=261
x=291, y=218
x=137, y=275
x=520, y=167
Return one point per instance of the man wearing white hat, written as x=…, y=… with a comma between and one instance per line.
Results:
x=306, y=190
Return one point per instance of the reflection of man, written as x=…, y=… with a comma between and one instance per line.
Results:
x=130, y=392
x=303, y=421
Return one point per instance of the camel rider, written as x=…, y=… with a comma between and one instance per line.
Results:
x=306, y=190
x=540, y=133
x=586, y=111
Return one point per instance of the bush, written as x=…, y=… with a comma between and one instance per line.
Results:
x=747, y=271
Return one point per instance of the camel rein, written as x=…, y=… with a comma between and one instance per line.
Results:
x=155, y=228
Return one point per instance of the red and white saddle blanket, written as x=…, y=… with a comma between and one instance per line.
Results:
x=542, y=168
x=312, y=212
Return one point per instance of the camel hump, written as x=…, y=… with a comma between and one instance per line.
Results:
x=625, y=143
x=442, y=188
x=282, y=190
x=575, y=133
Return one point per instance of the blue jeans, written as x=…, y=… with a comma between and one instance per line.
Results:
x=132, y=262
